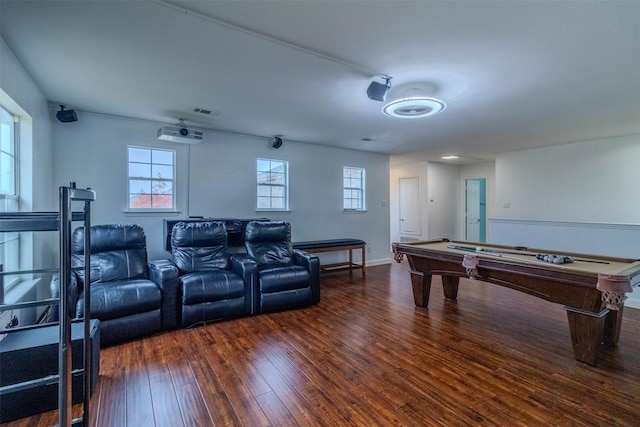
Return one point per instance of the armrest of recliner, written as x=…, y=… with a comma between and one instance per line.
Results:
x=247, y=268
x=312, y=264
x=164, y=273
x=72, y=301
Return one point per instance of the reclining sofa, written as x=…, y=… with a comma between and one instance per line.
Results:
x=133, y=297
x=130, y=296
x=287, y=277
x=213, y=284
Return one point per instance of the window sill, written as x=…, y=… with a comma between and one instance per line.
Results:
x=17, y=292
x=354, y=210
x=274, y=210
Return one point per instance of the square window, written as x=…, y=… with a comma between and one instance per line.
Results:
x=353, y=181
x=151, y=179
x=272, y=184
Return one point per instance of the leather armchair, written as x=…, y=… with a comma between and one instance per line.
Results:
x=287, y=277
x=130, y=296
x=213, y=284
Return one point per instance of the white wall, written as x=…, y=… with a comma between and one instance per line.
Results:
x=439, y=199
x=20, y=94
x=592, y=181
x=582, y=197
x=36, y=147
x=217, y=178
x=409, y=170
x=444, y=195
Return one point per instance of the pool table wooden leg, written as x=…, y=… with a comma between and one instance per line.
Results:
x=421, y=284
x=586, y=334
x=450, y=286
x=612, y=324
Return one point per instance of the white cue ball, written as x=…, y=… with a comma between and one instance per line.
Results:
x=478, y=249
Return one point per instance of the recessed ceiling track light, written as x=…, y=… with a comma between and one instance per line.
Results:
x=413, y=107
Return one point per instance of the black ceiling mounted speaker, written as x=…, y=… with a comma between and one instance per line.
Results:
x=66, y=116
x=378, y=91
x=276, y=142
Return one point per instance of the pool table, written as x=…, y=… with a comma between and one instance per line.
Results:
x=591, y=287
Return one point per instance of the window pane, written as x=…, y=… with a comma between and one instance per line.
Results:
x=264, y=202
x=7, y=174
x=139, y=186
x=139, y=170
x=162, y=201
x=277, y=203
x=140, y=201
x=6, y=140
x=264, y=191
x=276, y=179
x=9, y=242
x=263, y=165
x=140, y=155
x=8, y=160
x=162, y=157
x=162, y=171
x=162, y=187
x=263, y=177
x=277, y=192
x=277, y=167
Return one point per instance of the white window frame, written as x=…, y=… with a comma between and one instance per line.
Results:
x=350, y=187
x=268, y=181
x=10, y=198
x=149, y=178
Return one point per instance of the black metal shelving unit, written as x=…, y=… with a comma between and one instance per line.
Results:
x=58, y=221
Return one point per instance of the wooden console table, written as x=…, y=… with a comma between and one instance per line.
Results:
x=333, y=245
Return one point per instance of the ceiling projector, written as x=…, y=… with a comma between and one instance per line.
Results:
x=180, y=134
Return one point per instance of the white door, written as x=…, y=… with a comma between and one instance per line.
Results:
x=472, y=214
x=410, y=205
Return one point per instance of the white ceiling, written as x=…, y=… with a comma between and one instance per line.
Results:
x=514, y=74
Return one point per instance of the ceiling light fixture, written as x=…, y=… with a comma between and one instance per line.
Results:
x=452, y=157
x=413, y=107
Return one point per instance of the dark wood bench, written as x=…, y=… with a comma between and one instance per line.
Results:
x=333, y=245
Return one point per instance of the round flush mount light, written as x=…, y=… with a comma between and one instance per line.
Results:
x=413, y=107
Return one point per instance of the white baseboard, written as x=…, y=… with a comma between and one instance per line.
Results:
x=632, y=303
x=371, y=263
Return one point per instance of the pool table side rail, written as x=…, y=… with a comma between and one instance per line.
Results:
x=619, y=266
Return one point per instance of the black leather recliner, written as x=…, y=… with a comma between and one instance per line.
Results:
x=213, y=284
x=287, y=277
x=130, y=296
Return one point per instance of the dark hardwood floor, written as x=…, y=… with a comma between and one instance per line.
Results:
x=366, y=356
